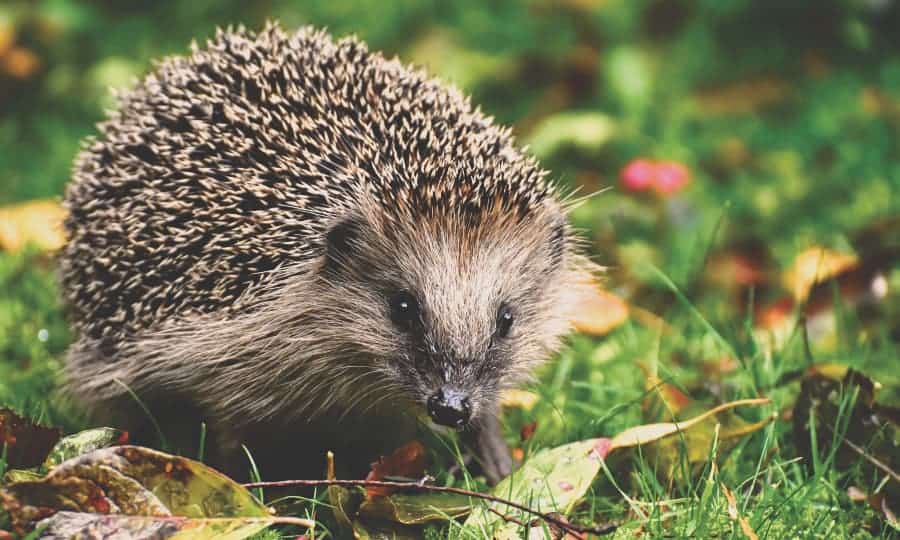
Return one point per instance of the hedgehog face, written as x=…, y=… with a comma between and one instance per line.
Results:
x=448, y=310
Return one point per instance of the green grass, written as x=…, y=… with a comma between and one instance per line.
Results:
x=816, y=163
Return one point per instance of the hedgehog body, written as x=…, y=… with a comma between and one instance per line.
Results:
x=280, y=228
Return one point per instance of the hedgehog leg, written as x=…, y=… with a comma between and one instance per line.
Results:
x=490, y=449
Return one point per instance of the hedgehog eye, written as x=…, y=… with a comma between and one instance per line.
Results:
x=404, y=309
x=504, y=321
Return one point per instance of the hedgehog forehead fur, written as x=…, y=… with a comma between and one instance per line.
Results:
x=202, y=222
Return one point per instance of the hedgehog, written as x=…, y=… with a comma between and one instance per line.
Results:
x=309, y=246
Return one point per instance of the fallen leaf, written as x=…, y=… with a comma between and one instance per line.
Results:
x=599, y=312
x=416, y=509
x=747, y=529
x=344, y=504
x=812, y=266
x=663, y=399
x=732, y=502
x=20, y=475
x=408, y=461
x=734, y=514
x=738, y=268
x=518, y=399
x=552, y=480
x=83, y=525
x=20, y=62
x=131, y=481
x=654, y=432
x=35, y=222
x=527, y=431
x=27, y=443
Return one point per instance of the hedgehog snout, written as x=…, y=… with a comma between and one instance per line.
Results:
x=450, y=406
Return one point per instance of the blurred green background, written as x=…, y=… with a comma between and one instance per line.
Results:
x=781, y=120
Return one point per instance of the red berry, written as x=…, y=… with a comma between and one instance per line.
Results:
x=639, y=175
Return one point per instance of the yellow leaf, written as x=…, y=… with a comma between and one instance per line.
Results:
x=653, y=432
x=34, y=222
x=599, y=312
x=518, y=399
x=812, y=266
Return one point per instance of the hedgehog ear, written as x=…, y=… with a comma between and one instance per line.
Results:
x=340, y=242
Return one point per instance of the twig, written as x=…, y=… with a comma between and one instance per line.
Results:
x=565, y=525
x=872, y=459
x=510, y=519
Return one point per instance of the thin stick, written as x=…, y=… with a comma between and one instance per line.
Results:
x=565, y=525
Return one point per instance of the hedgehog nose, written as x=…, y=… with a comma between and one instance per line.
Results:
x=450, y=407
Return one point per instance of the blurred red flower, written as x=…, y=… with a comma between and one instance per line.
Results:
x=638, y=175
x=665, y=178
x=671, y=177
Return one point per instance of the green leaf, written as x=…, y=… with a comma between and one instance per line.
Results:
x=416, y=509
x=344, y=504
x=20, y=475
x=584, y=130
x=553, y=480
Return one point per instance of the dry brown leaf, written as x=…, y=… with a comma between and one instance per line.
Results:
x=35, y=222
x=527, y=431
x=20, y=62
x=815, y=265
x=599, y=312
x=407, y=461
x=735, y=515
x=748, y=530
x=776, y=315
x=732, y=502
